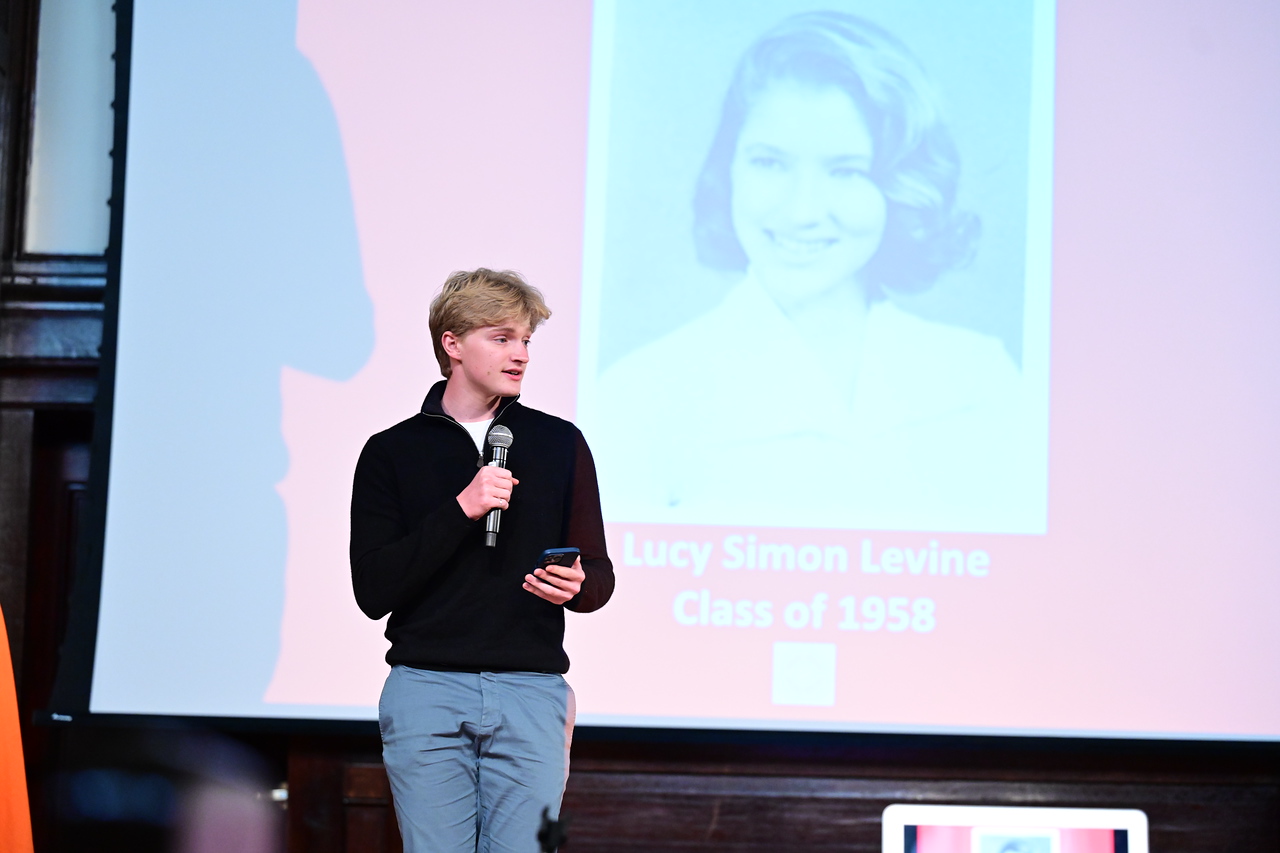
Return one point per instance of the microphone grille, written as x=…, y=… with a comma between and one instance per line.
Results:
x=500, y=436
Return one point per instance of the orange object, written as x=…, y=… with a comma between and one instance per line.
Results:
x=15, y=813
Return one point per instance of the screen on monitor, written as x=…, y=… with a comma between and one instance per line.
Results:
x=910, y=828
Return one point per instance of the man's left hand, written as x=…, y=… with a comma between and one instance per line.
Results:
x=556, y=584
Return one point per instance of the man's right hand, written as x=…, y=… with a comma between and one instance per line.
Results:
x=489, y=489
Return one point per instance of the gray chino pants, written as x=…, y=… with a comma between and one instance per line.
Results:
x=473, y=757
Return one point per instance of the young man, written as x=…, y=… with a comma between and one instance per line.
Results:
x=476, y=716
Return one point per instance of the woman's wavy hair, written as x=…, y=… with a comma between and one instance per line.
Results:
x=915, y=163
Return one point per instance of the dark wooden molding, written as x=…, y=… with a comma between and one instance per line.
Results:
x=53, y=278
x=51, y=333
x=53, y=387
x=51, y=328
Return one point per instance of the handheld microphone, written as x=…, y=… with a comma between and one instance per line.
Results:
x=499, y=439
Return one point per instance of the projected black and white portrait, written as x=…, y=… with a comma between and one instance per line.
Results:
x=813, y=260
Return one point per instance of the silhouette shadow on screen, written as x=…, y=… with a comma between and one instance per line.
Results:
x=240, y=258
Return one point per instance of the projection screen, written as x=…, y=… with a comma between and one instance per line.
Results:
x=1027, y=485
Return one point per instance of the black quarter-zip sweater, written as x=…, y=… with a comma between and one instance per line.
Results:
x=456, y=604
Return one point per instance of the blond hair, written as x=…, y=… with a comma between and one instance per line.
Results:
x=482, y=297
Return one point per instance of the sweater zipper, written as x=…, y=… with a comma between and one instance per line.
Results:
x=480, y=455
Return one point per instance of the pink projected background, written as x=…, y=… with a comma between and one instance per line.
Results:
x=1141, y=610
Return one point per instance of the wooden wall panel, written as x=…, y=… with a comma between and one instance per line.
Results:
x=370, y=822
x=617, y=811
x=59, y=474
x=315, y=822
x=16, y=431
x=625, y=796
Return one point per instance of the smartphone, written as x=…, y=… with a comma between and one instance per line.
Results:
x=557, y=557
